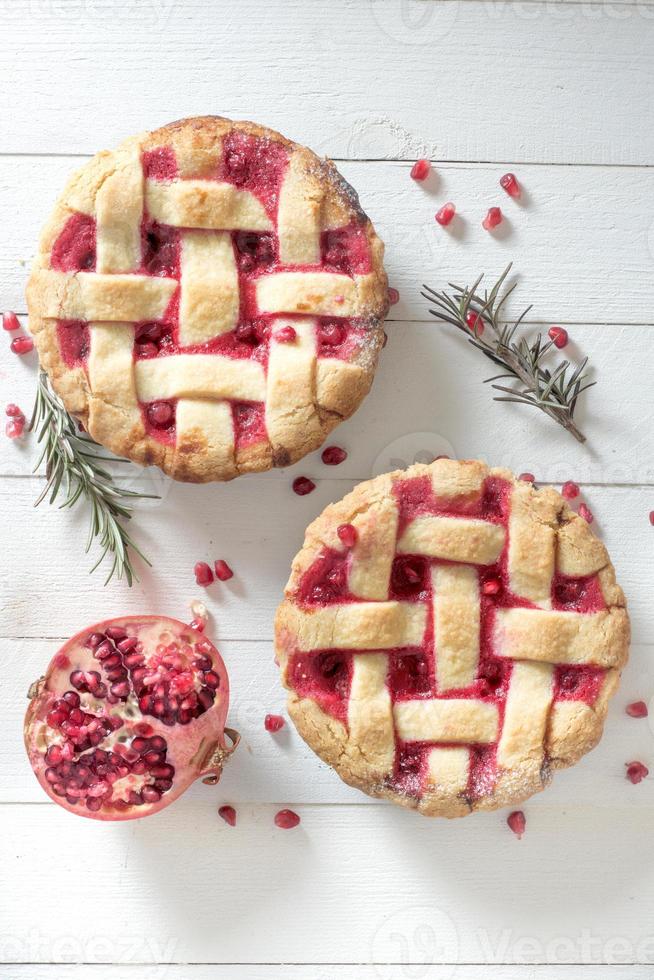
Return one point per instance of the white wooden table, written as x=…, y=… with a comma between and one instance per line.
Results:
x=562, y=94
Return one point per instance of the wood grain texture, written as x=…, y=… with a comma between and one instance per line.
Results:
x=376, y=78
x=582, y=239
x=268, y=971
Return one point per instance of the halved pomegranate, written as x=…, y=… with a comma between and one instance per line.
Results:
x=130, y=712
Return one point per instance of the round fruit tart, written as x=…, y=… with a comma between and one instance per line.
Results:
x=209, y=298
x=450, y=636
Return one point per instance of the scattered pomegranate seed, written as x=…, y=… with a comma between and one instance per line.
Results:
x=420, y=170
x=636, y=772
x=13, y=411
x=348, y=534
x=527, y=477
x=285, y=335
x=273, y=723
x=203, y=573
x=287, y=819
x=222, y=570
x=393, y=295
x=570, y=490
x=302, y=485
x=558, y=336
x=22, y=345
x=333, y=455
x=445, y=214
x=10, y=321
x=586, y=513
x=228, y=813
x=637, y=709
x=475, y=322
x=491, y=586
x=492, y=219
x=160, y=414
x=510, y=185
x=517, y=822
x=15, y=428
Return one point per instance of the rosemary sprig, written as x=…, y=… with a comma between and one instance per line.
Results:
x=554, y=391
x=73, y=465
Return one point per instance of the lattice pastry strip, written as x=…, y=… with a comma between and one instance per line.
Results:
x=432, y=662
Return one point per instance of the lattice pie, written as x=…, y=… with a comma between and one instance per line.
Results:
x=450, y=636
x=209, y=298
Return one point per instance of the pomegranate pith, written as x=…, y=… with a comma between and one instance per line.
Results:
x=127, y=716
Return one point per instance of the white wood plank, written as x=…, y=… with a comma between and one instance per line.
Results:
x=380, y=78
x=268, y=971
x=582, y=241
x=350, y=885
x=46, y=589
x=429, y=397
x=282, y=769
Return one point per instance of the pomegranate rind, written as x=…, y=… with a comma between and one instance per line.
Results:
x=194, y=748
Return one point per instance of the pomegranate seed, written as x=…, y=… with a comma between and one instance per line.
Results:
x=420, y=170
x=285, y=335
x=558, y=336
x=302, y=485
x=147, y=350
x=286, y=819
x=637, y=709
x=491, y=586
x=228, y=813
x=348, y=534
x=636, y=772
x=475, y=322
x=333, y=455
x=517, y=822
x=445, y=214
x=222, y=570
x=527, y=477
x=492, y=219
x=651, y=517
x=203, y=573
x=586, y=513
x=273, y=723
x=393, y=295
x=22, y=345
x=15, y=428
x=510, y=185
x=10, y=321
x=570, y=490
x=13, y=411
x=160, y=414
x=331, y=334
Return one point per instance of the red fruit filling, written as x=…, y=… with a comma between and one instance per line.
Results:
x=73, y=338
x=10, y=321
x=558, y=336
x=636, y=772
x=333, y=455
x=273, y=723
x=637, y=709
x=86, y=731
x=74, y=249
x=228, y=813
x=510, y=185
x=161, y=250
x=286, y=819
x=285, y=335
x=203, y=573
x=517, y=822
x=222, y=570
x=445, y=214
x=493, y=218
x=22, y=345
x=159, y=164
x=421, y=169
x=302, y=485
